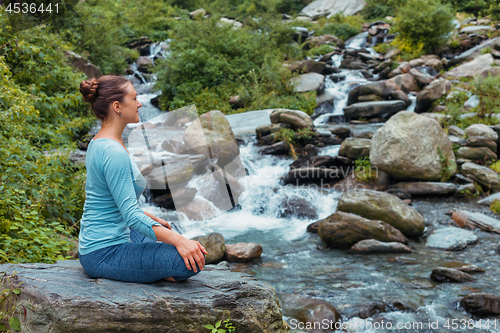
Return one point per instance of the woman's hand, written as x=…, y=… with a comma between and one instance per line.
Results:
x=192, y=252
x=163, y=223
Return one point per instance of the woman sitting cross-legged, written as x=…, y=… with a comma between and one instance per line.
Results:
x=118, y=240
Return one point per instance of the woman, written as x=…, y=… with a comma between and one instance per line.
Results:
x=117, y=240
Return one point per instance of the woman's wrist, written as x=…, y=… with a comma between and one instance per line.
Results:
x=168, y=236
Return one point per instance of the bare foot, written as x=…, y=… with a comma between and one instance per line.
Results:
x=170, y=279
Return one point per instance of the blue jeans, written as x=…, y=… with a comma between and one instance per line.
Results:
x=143, y=260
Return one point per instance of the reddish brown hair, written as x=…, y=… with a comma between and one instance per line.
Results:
x=102, y=92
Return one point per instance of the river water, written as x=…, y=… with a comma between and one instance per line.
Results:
x=296, y=262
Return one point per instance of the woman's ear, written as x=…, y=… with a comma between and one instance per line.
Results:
x=116, y=106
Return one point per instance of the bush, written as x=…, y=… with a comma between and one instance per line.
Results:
x=319, y=50
x=341, y=30
x=211, y=61
x=425, y=29
x=379, y=9
x=495, y=206
x=488, y=91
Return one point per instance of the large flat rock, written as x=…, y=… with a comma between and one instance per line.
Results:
x=451, y=238
x=60, y=297
x=369, y=109
x=347, y=7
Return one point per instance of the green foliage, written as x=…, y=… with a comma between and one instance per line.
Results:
x=364, y=170
x=488, y=91
x=495, y=166
x=379, y=9
x=475, y=7
x=382, y=48
x=211, y=61
x=8, y=295
x=495, y=206
x=425, y=29
x=319, y=50
x=228, y=327
x=446, y=166
x=341, y=30
x=42, y=192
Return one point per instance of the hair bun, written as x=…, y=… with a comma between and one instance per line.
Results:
x=88, y=89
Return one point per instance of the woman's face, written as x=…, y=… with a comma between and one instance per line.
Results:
x=130, y=106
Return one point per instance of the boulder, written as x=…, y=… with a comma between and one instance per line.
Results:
x=215, y=245
x=264, y=130
x=373, y=108
x=476, y=153
x=441, y=119
x=333, y=7
x=82, y=64
x=385, y=207
x=422, y=78
x=404, y=82
x=464, y=218
x=476, y=29
x=471, y=68
x=403, y=149
x=308, y=66
x=297, y=207
x=295, y=118
x=313, y=175
x=425, y=188
x=489, y=199
x=481, y=174
x=307, y=82
x=210, y=134
x=444, y=274
x=481, y=304
x=343, y=230
x=178, y=198
x=354, y=148
x=309, y=311
x=455, y=130
x=242, y=252
x=481, y=130
x=313, y=41
x=61, y=297
x=372, y=246
x=451, y=239
x=474, y=52
x=198, y=209
x=481, y=141
x=350, y=182
x=434, y=91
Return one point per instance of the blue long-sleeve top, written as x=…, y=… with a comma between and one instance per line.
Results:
x=114, y=183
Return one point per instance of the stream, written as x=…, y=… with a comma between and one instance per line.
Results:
x=296, y=262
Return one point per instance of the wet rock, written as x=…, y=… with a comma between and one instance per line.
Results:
x=403, y=150
x=199, y=209
x=309, y=311
x=179, y=198
x=481, y=304
x=178, y=172
x=476, y=153
x=383, y=206
x=481, y=141
x=444, y=274
x=308, y=66
x=489, y=199
x=476, y=220
x=313, y=227
x=482, y=131
x=312, y=175
x=434, y=91
x=214, y=244
x=296, y=118
x=481, y=174
x=425, y=188
x=451, y=238
x=350, y=182
x=316, y=161
x=313, y=41
x=341, y=132
x=343, y=230
x=372, y=246
x=214, y=187
x=264, y=130
x=456, y=140
x=298, y=207
x=471, y=68
x=422, y=78
x=242, y=252
x=441, y=119
x=476, y=29
x=278, y=148
x=307, y=82
x=210, y=134
x=83, y=65
x=404, y=82
x=85, y=304
x=354, y=148
x=370, y=109
x=471, y=269
x=401, y=69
